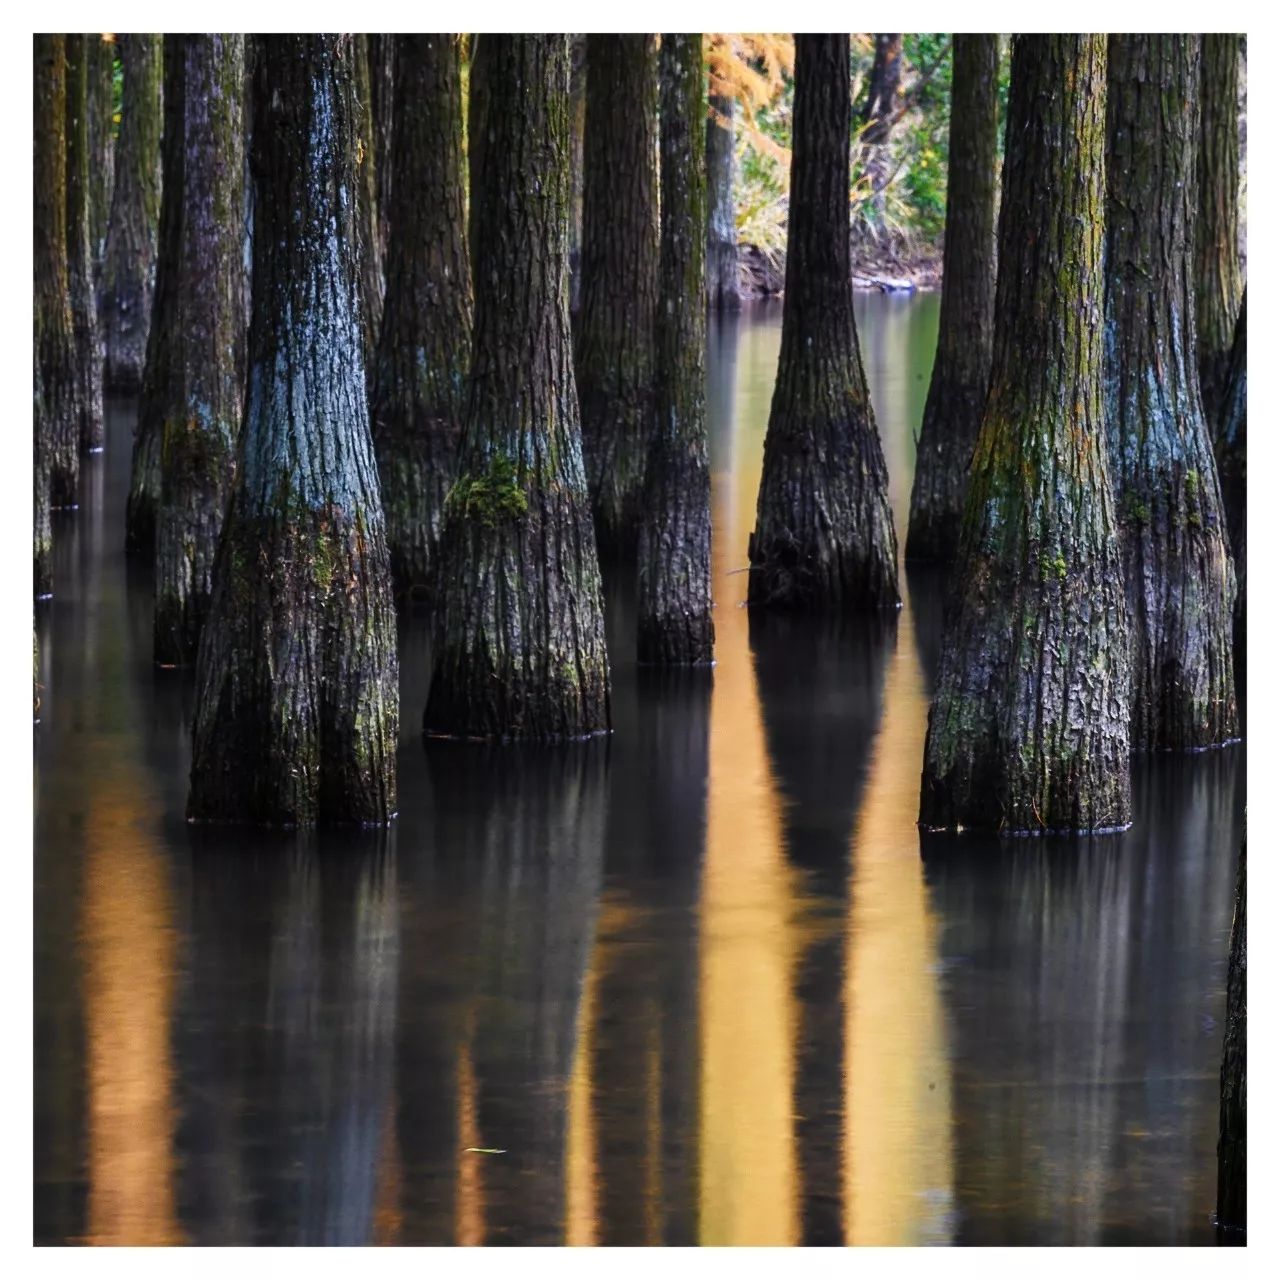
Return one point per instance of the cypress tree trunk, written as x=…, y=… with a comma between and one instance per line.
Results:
x=57, y=365
x=724, y=290
x=1231, y=456
x=577, y=127
x=424, y=351
x=42, y=549
x=613, y=333
x=371, y=278
x=674, y=587
x=129, y=265
x=520, y=649
x=1029, y=728
x=296, y=683
x=877, y=115
x=962, y=365
x=201, y=321
x=101, y=57
x=1180, y=581
x=382, y=74
x=824, y=537
x=1232, y=1129
x=84, y=306
x=1218, y=281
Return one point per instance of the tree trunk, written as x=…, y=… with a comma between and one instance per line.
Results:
x=1029, y=728
x=57, y=365
x=613, y=331
x=724, y=290
x=674, y=580
x=824, y=538
x=1218, y=283
x=84, y=307
x=1177, y=564
x=577, y=127
x=42, y=550
x=382, y=74
x=877, y=116
x=520, y=648
x=1231, y=458
x=370, y=243
x=424, y=352
x=1232, y=1129
x=297, y=699
x=101, y=92
x=200, y=320
x=129, y=265
x=962, y=365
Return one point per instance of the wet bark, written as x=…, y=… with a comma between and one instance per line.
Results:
x=1178, y=568
x=724, y=290
x=877, y=116
x=824, y=538
x=613, y=330
x=370, y=243
x=674, y=578
x=419, y=378
x=57, y=380
x=101, y=57
x=1232, y=1129
x=1231, y=456
x=519, y=649
x=962, y=365
x=200, y=322
x=84, y=306
x=1029, y=728
x=129, y=263
x=297, y=698
x=1218, y=281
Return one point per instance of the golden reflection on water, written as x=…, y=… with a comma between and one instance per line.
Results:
x=469, y=1216
x=897, y=1105
x=580, y=1159
x=130, y=959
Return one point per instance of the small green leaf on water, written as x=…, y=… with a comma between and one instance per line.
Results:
x=487, y=1151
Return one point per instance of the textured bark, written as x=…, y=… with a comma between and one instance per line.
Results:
x=1232, y=1129
x=382, y=77
x=962, y=365
x=370, y=243
x=613, y=331
x=84, y=307
x=1029, y=728
x=724, y=290
x=519, y=649
x=577, y=127
x=1173, y=532
x=674, y=579
x=296, y=682
x=42, y=541
x=1219, y=285
x=824, y=536
x=419, y=381
x=200, y=321
x=102, y=148
x=57, y=383
x=129, y=263
x=878, y=114
x=1231, y=456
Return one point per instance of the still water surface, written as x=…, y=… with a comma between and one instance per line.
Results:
x=699, y=983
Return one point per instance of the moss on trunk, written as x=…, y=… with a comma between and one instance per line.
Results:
x=613, y=330
x=1029, y=728
x=724, y=288
x=520, y=648
x=1219, y=284
x=57, y=381
x=674, y=580
x=424, y=351
x=962, y=365
x=297, y=699
x=824, y=538
x=84, y=307
x=1232, y=1126
x=129, y=263
x=200, y=320
x=1177, y=563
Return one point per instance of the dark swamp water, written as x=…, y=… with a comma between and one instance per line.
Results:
x=695, y=984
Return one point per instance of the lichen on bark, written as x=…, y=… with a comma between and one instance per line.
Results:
x=1029, y=727
x=519, y=648
x=962, y=365
x=297, y=698
x=674, y=624
x=824, y=538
